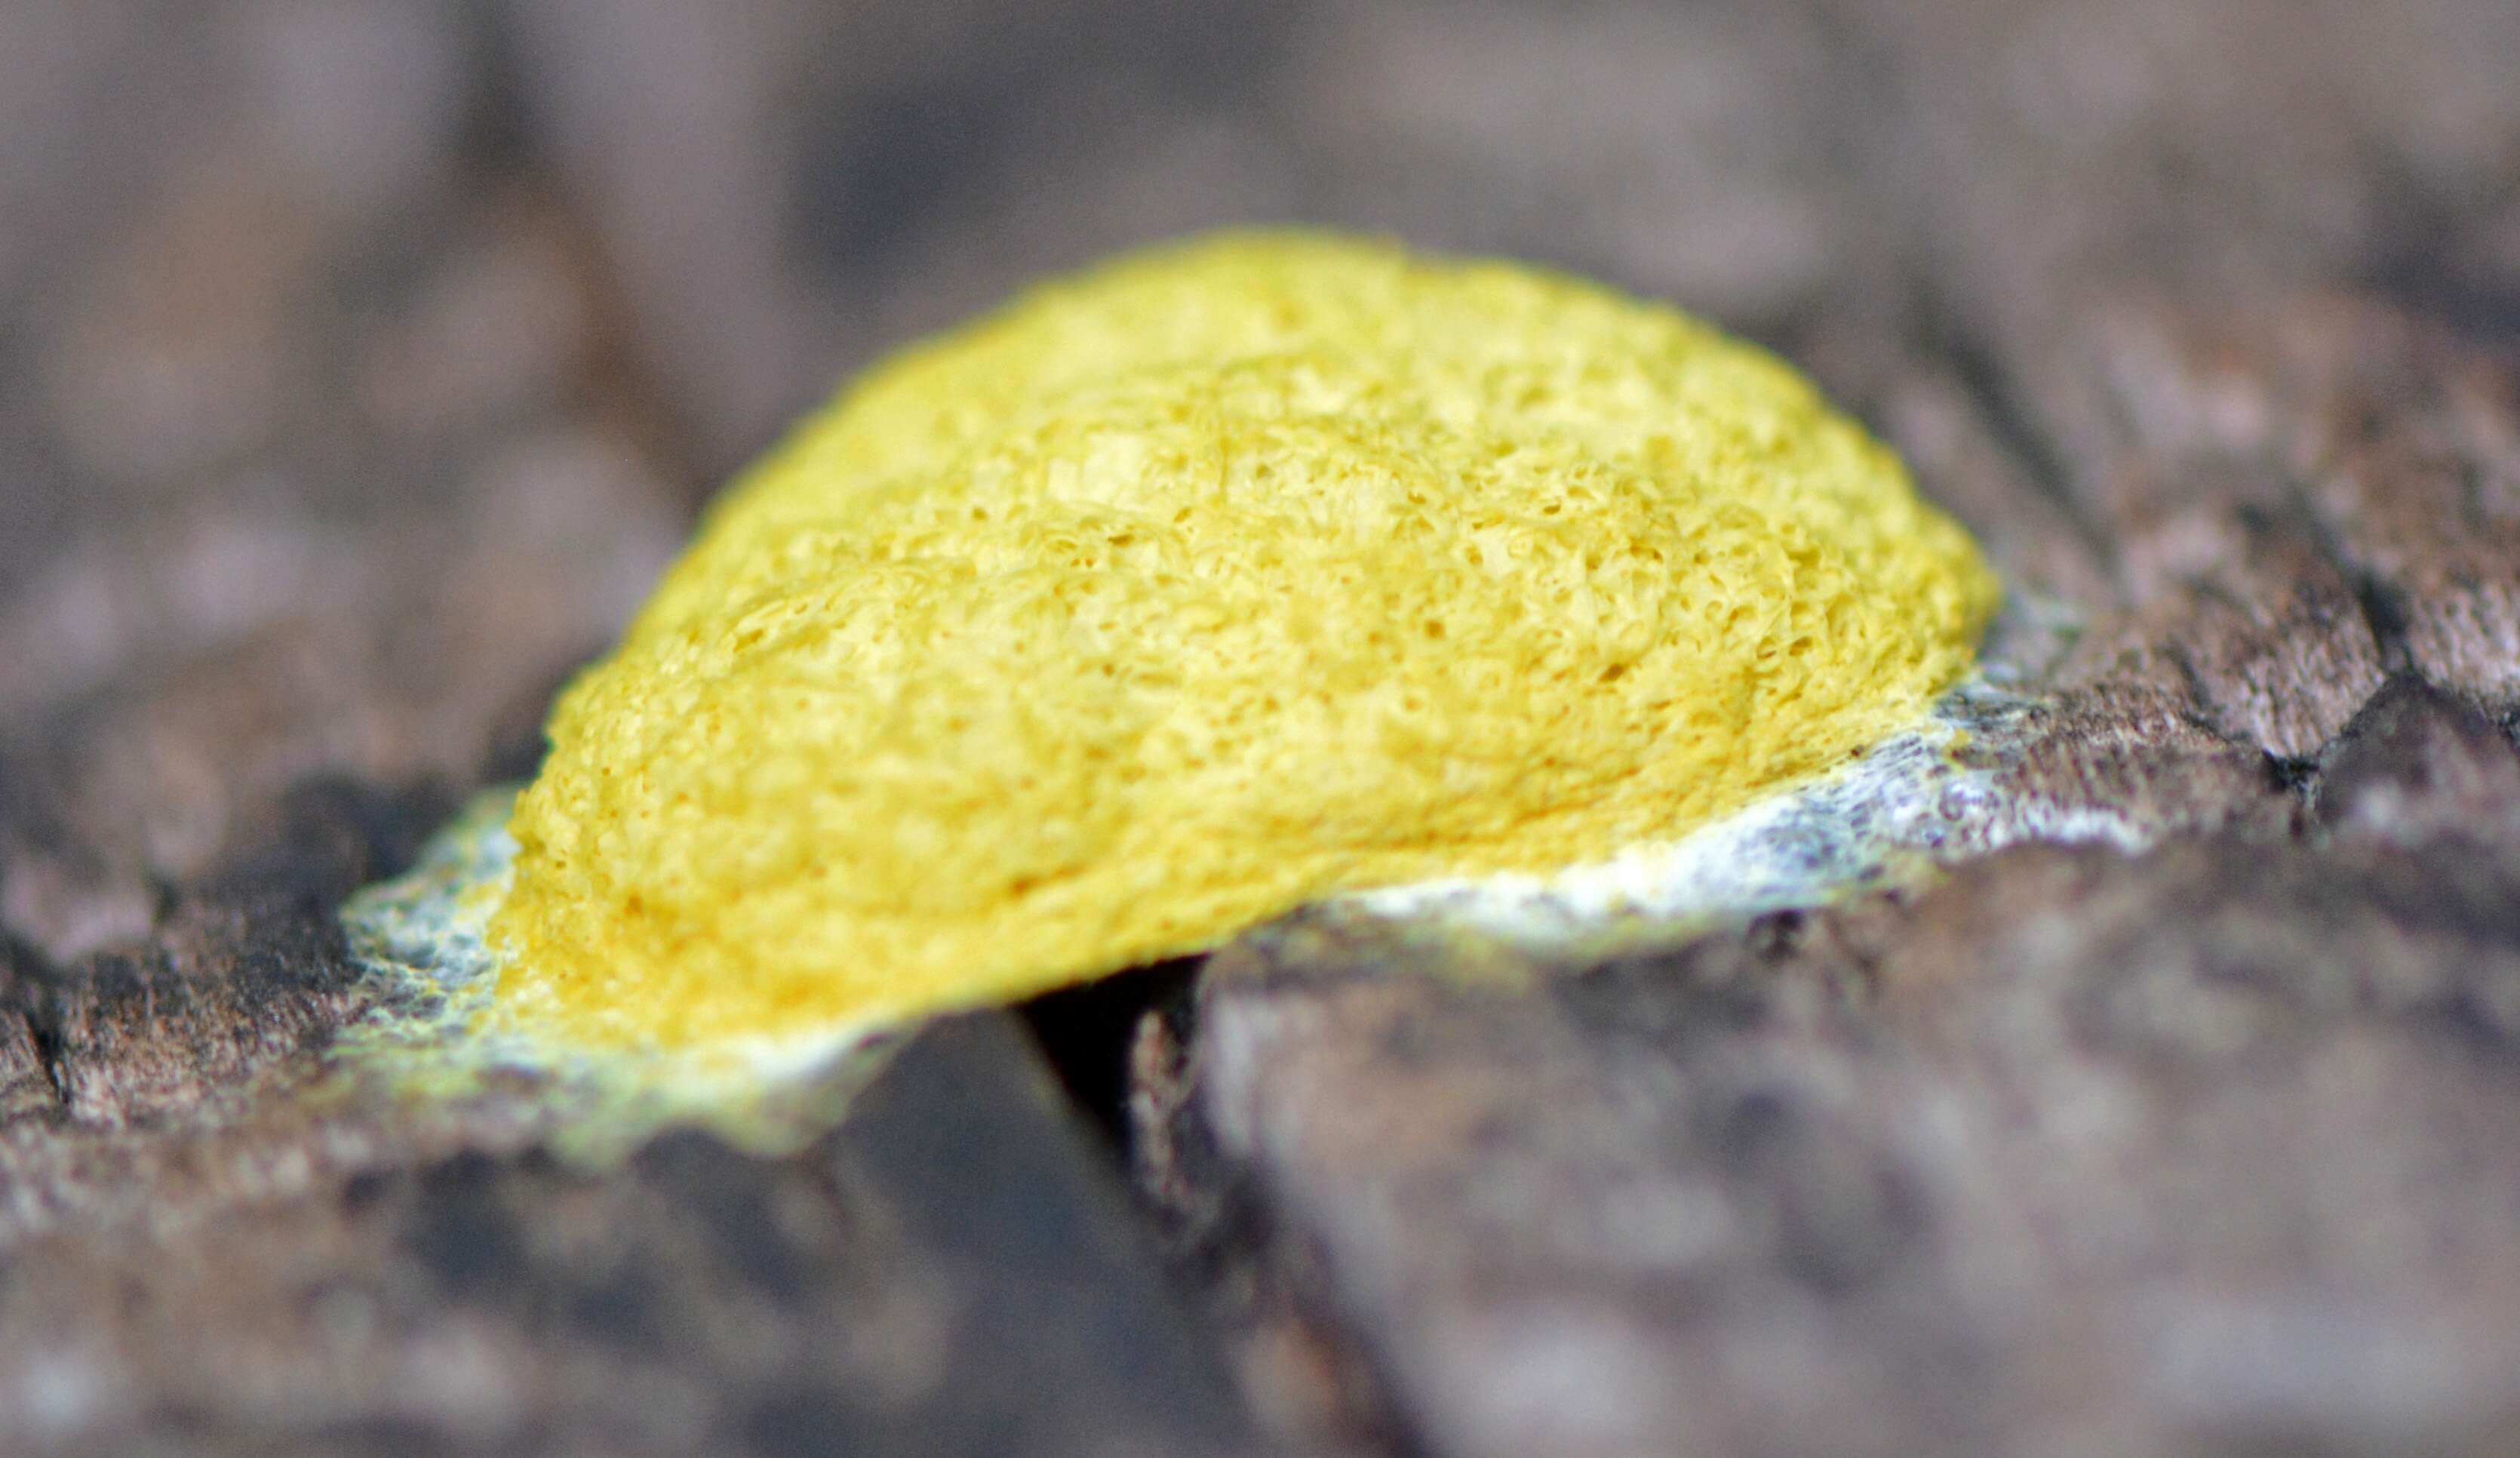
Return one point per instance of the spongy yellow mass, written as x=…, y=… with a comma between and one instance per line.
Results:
x=1189, y=589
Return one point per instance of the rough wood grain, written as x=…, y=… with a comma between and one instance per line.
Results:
x=951, y=1272
x=360, y=361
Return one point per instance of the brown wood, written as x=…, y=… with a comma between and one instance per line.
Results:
x=359, y=363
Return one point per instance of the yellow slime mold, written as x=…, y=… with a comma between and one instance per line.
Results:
x=1206, y=583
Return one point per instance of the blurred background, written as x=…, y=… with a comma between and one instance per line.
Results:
x=362, y=360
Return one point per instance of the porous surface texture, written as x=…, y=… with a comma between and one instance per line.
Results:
x=1213, y=581
x=362, y=362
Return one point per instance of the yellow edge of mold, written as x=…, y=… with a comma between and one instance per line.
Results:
x=1889, y=819
x=421, y=941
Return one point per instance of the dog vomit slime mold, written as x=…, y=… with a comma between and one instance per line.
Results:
x=1210, y=583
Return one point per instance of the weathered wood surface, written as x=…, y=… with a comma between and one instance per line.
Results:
x=360, y=361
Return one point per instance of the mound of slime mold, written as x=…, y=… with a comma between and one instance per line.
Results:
x=1213, y=581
